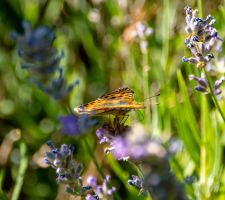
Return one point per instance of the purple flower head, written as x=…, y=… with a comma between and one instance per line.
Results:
x=92, y=181
x=120, y=148
x=103, y=135
x=62, y=160
x=35, y=49
x=42, y=60
x=135, y=144
x=76, y=125
x=67, y=169
x=203, y=37
x=103, y=191
x=70, y=124
x=136, y=182
x=56, y=88
x=92, y=197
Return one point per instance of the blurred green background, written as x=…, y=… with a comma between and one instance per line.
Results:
x=102, y=54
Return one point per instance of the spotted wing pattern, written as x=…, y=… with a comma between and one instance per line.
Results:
x=117, y=102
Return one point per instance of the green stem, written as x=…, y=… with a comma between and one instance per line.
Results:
x=22, y=170
x=115, y=194
x=203, y=150
x=145, y=76
x=200, y=8
x=213, y=95
x=91, y=153
x=2, y=174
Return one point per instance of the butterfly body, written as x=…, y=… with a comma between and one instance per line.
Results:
x=118, y=102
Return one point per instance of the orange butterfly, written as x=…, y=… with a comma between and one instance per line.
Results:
x=117, y=102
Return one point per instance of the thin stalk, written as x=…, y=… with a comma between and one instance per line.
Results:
x=213, y=95
x=43, y=11
x=199, y=2
x=139, y=171
x=165, y=35
x=22, y=171
x=145, y=76
x=203, y=150
x=2, y=175
x=115, y=194
x=91, y=153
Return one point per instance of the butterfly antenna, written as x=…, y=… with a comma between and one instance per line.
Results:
x=155, y=95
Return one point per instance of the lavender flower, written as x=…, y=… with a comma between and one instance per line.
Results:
x=104, y=135
x=76, y=125
x=58, y=87
x=92, y=197
x=158, y=180
x=42, y=60
x=70, y=124
x=202, y=40
x=68, y=170
x=136, y=182
x=218, y=84
x=133, y=143
x=101, y=191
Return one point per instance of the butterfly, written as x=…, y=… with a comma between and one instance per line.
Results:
x=118, y=102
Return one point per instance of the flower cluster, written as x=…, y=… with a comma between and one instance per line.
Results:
x=41, y=59
x=101, y=191
x=132, y=143
x=136, y=182
x=202, y=40
x=69, y=172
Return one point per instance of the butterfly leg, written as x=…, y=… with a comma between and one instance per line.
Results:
x=118, y=123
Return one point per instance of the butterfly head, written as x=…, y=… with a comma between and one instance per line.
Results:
x=80, y=110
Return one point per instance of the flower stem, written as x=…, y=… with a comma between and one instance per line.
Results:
x=213, y=95
x=2, y=175
x=91, y=153
x=199, y=2
x=115, y=194
x=141, y=175
x=22, y=171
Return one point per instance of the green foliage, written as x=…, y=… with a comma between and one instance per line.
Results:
x=101, y=56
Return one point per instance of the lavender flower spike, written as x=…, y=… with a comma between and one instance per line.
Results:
x=68, y=170
x=42, y=60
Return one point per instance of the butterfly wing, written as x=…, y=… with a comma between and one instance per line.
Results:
x=118, y=101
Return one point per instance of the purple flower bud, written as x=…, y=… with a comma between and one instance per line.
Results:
x=136, y=182
x=209, y=17
x=187, y=40
x=103, y=135
x=203, y=82
x=219, y=82
x=200, y=88
x=92, y=181
x=91, y=197
x=195, y=39
x=217, y=91
x=184, y=59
